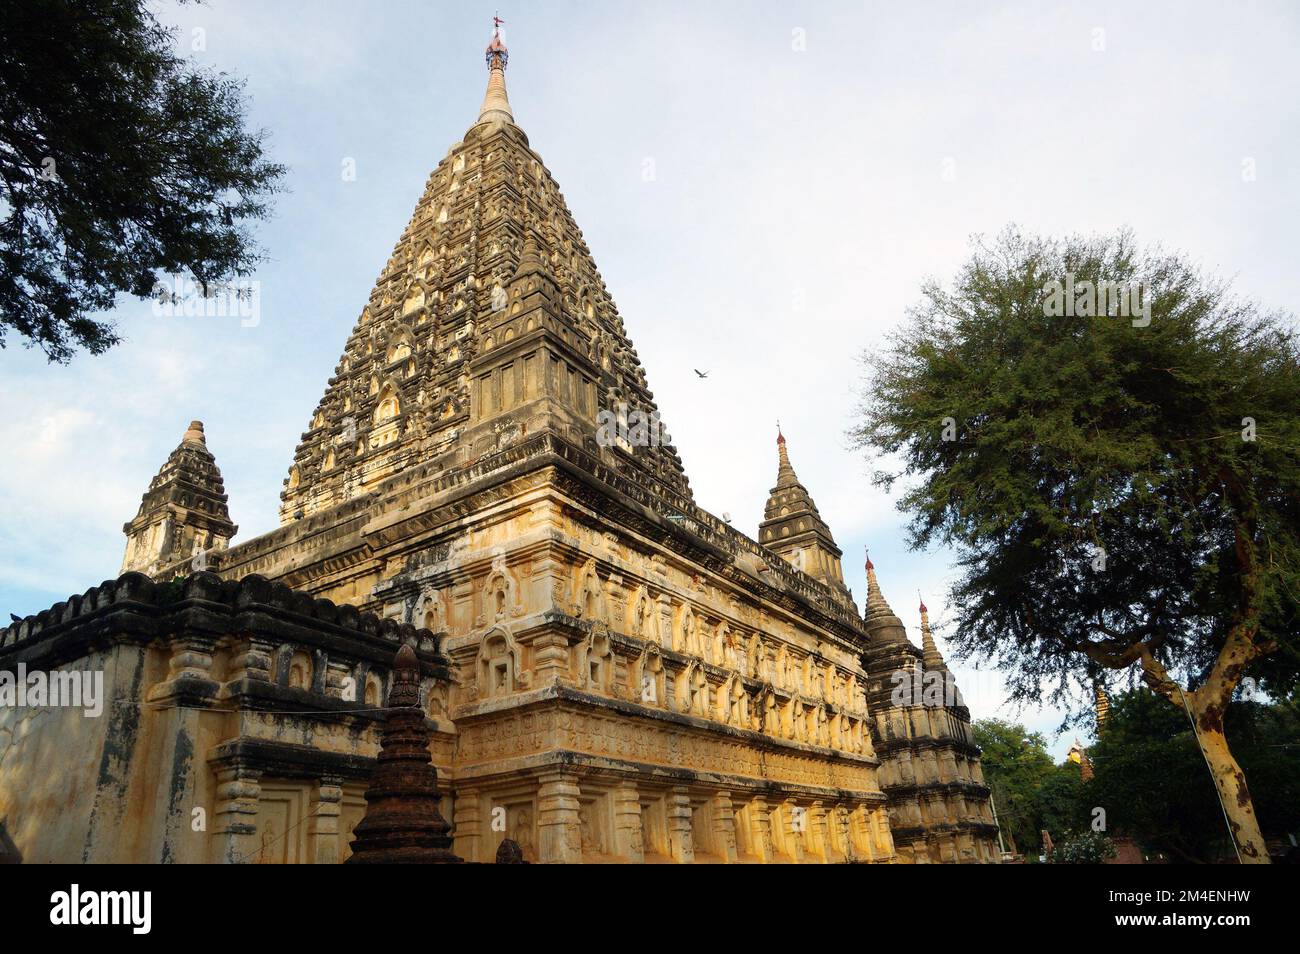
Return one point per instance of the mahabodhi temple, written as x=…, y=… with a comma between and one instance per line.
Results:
x=609, y=673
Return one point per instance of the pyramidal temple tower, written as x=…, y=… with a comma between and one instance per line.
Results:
x=600, y=669
x=489, y=323
x=794, y=528
x=938, y=800
x=183, y=514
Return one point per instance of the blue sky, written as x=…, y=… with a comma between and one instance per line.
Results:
x=812, y=164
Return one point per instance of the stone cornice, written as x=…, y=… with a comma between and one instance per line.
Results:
x=135, y=609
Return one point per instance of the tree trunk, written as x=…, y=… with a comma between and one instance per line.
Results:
x=1207, y=706
x=1231, y=783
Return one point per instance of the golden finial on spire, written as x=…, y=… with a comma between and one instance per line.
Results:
x=496, y=106
x=785, y=475
x=929, y=649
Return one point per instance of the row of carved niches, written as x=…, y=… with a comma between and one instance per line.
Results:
x=674, y=626
x=949, y=847
x=640, y=672
x=922, y=722
x=313, y=672
x=929, y=767
x=940, y=808
x=232, y=632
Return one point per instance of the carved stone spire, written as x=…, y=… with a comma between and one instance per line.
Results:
x=402, y=822
x=785, y=475
x=930, y=652
x=794, y=528
x=881, y=622
x=530, y=262
x=496, y=105
x=184, y=511
x=876, y=606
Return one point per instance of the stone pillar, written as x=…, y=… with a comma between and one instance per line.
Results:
x=234, y=829
x=859, y=830
x=629, y=838
x=549, y=579
x=559, y=836
x=882, y=846
x=252, y=661
x=665, y=610
x=761, y=828
x=467, y=826
x=948, y=849
x=460, y=612
x=935, y=808
x=189, y=681
x=822, y=849
x=724, y=826
x=794, y=819
x=904, y=772
x=966, y=848
x=324, y=846
x=680, y=842
x=840, y=821
x=551, y=662
x=947, y=766
x=929, y=769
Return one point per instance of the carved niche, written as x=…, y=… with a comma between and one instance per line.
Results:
x=691, y=690
x=500, y=594
x=588, y=595
x=596, y=661
x=643, y=616
x=499, y=667
x=431, y=611
x=647, y=682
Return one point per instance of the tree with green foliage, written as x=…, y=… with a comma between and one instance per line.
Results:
x=1111, y=443
x=1030, y=791
x=1061, y=802
x=120, y=162
x=1015, y=764
x=1150, y=775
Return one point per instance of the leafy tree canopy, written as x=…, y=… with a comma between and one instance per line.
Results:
x=1075, y=437
x=1111, y=442
x=1015, y=763
x=1031, y=792
x=119, y=163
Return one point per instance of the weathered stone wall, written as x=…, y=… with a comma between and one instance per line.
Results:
x=238, y=724
x=64, y=776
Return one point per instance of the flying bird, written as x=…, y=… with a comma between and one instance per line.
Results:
x=702, y=374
